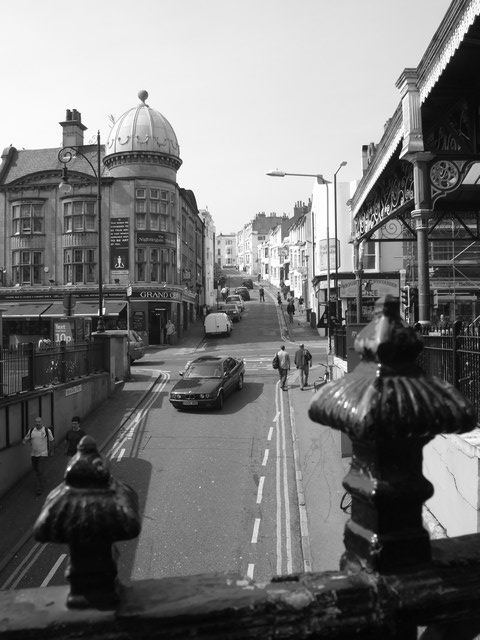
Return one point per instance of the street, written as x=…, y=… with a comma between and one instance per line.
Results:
x=218, y=490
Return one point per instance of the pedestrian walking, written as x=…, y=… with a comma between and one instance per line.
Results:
x=303, y=357
x=73, y=437
x=301, y=304
x=171, y=331
x=262, y=294
x=283, y=366
x=279, y=299
x=41, y=444
x=290, y=310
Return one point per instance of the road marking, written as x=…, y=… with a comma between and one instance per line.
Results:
x=121, y=454
x=278, y=493
x=53, y=570
x=276, y=416
x=256, y=527
x=270, y=433
x=250, y=569
x=288, y=533
x=265, y=458
x=36, y=550
x=260, y=489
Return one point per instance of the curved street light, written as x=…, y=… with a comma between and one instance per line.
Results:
x=320, y=180
x=66, y=155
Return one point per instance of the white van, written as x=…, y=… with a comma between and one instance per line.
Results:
x=217, y=323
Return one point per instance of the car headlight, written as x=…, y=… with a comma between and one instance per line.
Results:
x=175, y=396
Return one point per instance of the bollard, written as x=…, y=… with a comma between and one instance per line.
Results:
x=89, y=511
x=390, y=409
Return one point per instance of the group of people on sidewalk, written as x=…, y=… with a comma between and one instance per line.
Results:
x=42, y=445
x=302, y=360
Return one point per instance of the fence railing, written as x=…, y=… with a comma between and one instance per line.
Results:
x=340, y=342
x=25, y=367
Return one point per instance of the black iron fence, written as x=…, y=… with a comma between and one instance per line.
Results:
x=340, y=342
x=25, y=367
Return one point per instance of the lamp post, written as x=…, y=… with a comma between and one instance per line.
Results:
x=337, y=303
x=320, y=180
x=66, y=155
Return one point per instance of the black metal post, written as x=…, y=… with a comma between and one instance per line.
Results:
x=101, y=323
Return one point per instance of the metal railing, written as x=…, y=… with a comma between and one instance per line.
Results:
x=25, y=368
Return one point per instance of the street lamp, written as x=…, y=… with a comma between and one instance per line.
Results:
x=320, y=180
x=65, y=155
x=337, y=304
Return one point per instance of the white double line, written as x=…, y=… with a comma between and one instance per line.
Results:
x=282, y=487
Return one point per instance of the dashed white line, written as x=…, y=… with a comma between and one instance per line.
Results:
x=265, y=458
x=270, y=433
x=260, y=490
x=250, y=569
x=256, y=527
x=53, y=570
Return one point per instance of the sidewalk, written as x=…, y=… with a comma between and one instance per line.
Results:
x=20, y=507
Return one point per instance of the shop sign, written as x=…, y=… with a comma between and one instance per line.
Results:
x=119, y=243
x=371, y=288
x=163, y=294
x=73, y=390
x=155, y=237
x=323, y=246
x=62, y=331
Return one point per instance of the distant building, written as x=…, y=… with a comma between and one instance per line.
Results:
x=226, y=250
x=210, y=294
x=152, y=235
x=254, y=232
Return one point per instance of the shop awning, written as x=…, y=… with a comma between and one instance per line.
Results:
x=88, y=309
x=54, y=310
x=24, y=309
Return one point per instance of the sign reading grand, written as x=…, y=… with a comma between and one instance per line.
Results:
x=119, y=241
x=161, y=294
x=155, y=237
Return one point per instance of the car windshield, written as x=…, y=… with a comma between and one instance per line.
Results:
x=204, y=370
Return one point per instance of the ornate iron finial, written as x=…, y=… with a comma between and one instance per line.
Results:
x=143, y=95
x=390, y=409
x=89, y=511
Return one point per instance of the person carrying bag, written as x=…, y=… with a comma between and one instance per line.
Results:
x=41, y=446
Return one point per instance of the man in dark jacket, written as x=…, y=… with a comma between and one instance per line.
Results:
x=303, y=358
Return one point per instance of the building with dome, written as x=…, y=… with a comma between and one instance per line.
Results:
x=151, y=235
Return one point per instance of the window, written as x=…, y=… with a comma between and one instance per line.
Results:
x=27, y=218
x=369, y=255
x=79, y=265
x=27, y=267
x=79, y=216
x=152, y=213
x=155, y=265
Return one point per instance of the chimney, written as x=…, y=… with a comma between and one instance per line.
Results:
x=72, y=129
x=364, y=158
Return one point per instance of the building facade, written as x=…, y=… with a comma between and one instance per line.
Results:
x=210, y=293
x=63, y=213
x=226, y=250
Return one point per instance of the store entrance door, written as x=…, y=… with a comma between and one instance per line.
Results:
x=156, y=325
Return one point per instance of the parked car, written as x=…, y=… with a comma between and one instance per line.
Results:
x=217, y=324
x=233, y=311
x=248, y=283
x=207, y=381
x=242, y=291
x=237, y=300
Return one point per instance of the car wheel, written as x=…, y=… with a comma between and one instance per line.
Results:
x=240, y=383
x=219, y=402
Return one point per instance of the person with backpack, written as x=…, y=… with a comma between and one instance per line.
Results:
x=303, y=357
x=41, y=445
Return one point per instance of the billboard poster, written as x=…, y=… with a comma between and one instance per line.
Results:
x=119, y=244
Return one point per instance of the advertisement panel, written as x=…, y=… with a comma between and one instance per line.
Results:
x=119, y=244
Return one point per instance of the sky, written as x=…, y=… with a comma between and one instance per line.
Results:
x=248, y=85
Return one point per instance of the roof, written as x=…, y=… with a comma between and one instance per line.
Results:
x=447, y=39
x=19, y=164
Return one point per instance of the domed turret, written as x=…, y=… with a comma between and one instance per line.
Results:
x=142, y=136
